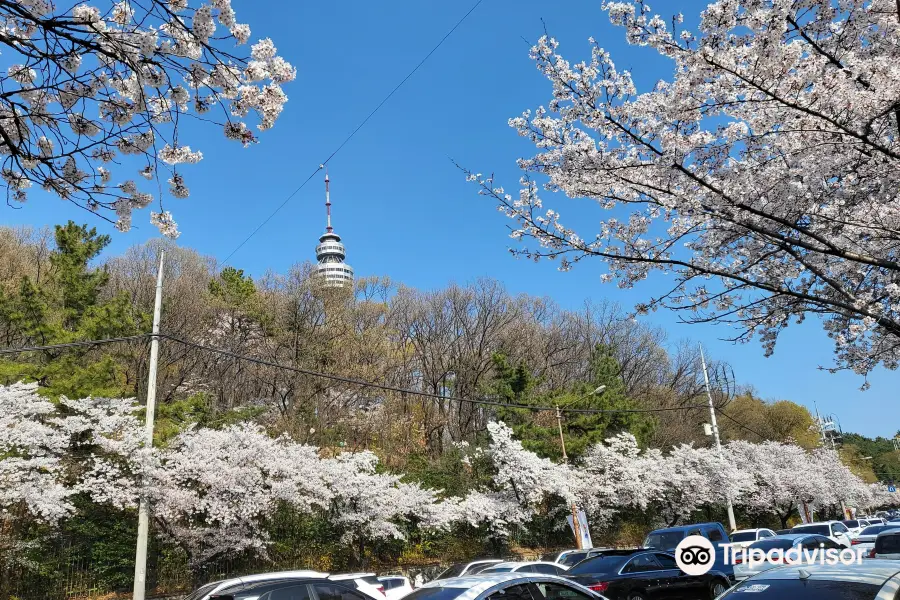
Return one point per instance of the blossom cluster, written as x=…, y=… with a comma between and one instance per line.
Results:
x=92, y=89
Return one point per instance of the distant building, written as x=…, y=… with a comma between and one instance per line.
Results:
x=330, y=252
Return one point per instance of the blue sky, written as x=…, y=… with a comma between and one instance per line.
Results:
x=401, y=206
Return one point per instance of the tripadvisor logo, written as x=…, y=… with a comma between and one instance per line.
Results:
x=695, y=555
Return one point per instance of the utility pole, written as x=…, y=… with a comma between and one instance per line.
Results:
x=715, y=428
x=562, y=440
x=140, y=557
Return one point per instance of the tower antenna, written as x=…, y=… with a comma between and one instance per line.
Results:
x=328, y=227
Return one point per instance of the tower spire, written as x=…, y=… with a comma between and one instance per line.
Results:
x=328, y=227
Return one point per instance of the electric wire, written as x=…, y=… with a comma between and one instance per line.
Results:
x=739, y=424
x=74, y=344
x=355, y=131
x=420, y=393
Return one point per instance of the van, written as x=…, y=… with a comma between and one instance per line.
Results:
x=667, y=539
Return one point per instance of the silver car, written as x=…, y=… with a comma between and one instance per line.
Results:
x=785, y=542
x=868, y=580
x=865, y=541
x=504, y=586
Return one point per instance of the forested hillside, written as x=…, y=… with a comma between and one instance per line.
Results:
x=291, y=357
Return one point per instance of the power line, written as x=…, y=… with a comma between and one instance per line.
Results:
x=390, y=388
x=74, y=344
x=349, y=380
x=739, y=424
x=355, y=131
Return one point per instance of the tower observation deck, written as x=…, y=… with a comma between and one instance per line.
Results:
x=330, y=252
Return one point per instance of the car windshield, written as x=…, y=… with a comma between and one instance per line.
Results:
x=743, y=536
x=664, y=540
x=851, y=523
x=809, y=589
x=454, y=571
x=478, y=568
x=597, y=565
x=573, y=558
x=435, y=593
x=201, y=591
x=773, y=543
x=817, y=529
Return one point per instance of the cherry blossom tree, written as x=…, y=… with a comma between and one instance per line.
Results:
x=94, y=89
x=762, y=179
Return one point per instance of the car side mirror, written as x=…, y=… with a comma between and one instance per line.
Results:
x=839, y=534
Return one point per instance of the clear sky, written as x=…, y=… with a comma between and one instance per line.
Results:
x=402, y=207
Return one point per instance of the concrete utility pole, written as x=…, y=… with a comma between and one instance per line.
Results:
x=562, y=441
x=715, y=429
x=140, y=557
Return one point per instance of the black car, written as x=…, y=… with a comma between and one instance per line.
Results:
x=645, y=575
x=290, y=589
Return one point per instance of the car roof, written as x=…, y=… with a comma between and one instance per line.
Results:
x=263, y=586
x=791, y=536
x=343, y=576
x=815, y=523
x=223, y=583
x=481, y=561
x=523, y=563
x=686, y=527
x=875, y=572
x=748, y=530
x=475, y=585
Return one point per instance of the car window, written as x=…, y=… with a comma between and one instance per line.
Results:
x=887, y=544
x=772, y=544
x=558, y=591
x=765, y=533
x=743, y=536
x=294, y=592
x=714, y=534
x=851, y=523
x=641, y=563
x=202, y=591
x=573, y=558
x=666, y=561
x=598, y=565
x=839, y=528
x=546, y=569
x=329, y=591
x=513, y=592
x=817, y=529
x=454, y=571
x=694, y=532
x=664, y=540
x=525, y=569
x=478, y=568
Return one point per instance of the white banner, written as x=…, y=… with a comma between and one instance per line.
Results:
x=583, y=531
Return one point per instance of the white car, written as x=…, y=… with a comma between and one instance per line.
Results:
x=865, y=541
x=535, y=566
x=835, y=530
x=366, y=583
x=744, y=537
x=205, y=591
x=395, y=586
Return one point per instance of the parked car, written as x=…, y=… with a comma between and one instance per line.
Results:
x=503, y=586
x=887, y=545
x=833, y=529
x=367, y=583
x=572, y=557
x=865, y=541
x=870, y=580
x=667, y=539
x=207, y=590
x=395, y=586
x=743, y=570
x=293, y=589
x=469, y=568
x=645, y=575
x=745, y=537
x=535, y=566
x=856, y=525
